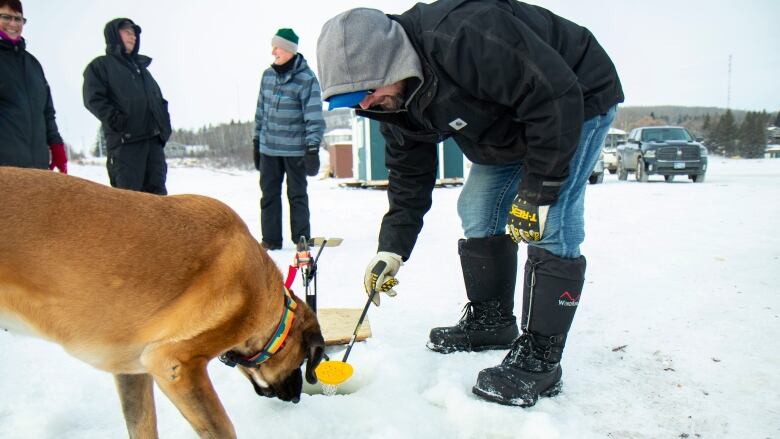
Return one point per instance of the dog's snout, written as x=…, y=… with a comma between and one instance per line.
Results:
x=291, y=387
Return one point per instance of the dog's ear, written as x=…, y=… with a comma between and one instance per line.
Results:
x=315, y=345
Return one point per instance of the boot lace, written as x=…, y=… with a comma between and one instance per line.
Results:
x=529, y=355
x=480, y=315
x=521, y=348
x=467, y=315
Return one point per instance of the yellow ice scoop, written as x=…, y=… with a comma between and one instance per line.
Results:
x=333, y=372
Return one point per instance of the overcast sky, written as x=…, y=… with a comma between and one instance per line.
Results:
x=209, y=55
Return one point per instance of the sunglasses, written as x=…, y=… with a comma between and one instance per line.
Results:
x=9, y=18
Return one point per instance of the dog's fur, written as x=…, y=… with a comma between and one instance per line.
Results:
x=148, y=288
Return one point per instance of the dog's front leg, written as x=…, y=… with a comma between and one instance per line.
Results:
x=136, y=393
x=188, y=386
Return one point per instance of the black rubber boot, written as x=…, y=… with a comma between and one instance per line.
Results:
x=489, y=272
x=532, y=368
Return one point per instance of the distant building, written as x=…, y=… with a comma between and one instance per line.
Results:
x=339, y=144
x=773, y=134
x=772, y=152
x=196, y=149
x=614, y=137
x=176, y=149
x=338, y=136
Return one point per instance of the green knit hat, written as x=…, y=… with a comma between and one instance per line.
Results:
x=286, y=39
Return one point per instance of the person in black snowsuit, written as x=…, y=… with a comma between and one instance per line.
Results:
x=28, y=128
x=123, y=95
x=529, y=97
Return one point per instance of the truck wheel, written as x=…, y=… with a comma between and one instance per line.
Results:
x=622, y=173
x=698, y=178
x=669, y=178
x=641, y=172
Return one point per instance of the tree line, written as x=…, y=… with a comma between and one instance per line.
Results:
x=727, y=132
x=747, y=139
x=229, y=145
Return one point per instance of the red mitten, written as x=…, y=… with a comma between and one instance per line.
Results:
x=59, y=159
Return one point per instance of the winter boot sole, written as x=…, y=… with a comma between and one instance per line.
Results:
x=553, y=390
x=450, y=349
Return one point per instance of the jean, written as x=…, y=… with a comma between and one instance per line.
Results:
x=484, y=202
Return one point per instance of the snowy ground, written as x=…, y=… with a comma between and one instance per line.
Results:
x=676, y=336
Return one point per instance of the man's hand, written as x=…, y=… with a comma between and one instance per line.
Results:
x=526, y=221
x=256, y=152
x=311, y=160
x=59, y=159
x=380, y=274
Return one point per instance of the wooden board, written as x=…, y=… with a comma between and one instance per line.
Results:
x=382, y=184
x=338, y=324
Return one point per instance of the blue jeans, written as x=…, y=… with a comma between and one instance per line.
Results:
x=487, y=195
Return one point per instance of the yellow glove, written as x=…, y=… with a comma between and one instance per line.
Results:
x=526, y=221
x=380, y=274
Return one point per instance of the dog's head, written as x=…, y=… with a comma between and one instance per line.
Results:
x=280, y=376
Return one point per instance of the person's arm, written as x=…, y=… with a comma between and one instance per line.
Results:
x=412, y=175
x=167, y=115
x=96, y=99
x=52, y=132
x=259, y=109
x=412, y=167
x=311, y=105
x=59, y=158
x=507, y=64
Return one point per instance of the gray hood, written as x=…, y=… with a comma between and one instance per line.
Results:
x=363, y=49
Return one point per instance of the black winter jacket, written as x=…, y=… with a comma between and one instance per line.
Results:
x=509, y=82
x=123, y=95
x=27, y=124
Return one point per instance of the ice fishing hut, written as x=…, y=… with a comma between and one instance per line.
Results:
x=368, y=157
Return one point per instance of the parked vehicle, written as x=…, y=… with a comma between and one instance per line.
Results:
x=662, y=150
x=614, y=138
x=597, y=176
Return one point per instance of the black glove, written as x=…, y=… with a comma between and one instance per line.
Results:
x=256, y=152
x=311, y=160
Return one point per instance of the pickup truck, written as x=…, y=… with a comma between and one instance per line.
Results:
x=662, y=150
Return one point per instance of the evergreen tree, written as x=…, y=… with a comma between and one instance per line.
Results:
x=777, y=120
x=744, y=135
x=765, y=119
x=761, y=133
x=752, y=135
x=713, y=141
x=706, y=130
x=99, y=148
x=726, y=134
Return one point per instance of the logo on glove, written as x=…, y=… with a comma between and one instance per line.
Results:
x=526, y=221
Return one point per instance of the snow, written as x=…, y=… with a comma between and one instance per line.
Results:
x=676, y=335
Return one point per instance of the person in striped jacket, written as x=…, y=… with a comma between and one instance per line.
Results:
x=288, y=131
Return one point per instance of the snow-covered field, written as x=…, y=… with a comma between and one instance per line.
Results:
x=677, y=334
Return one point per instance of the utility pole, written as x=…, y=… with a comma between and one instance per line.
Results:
x=728, y=93
x=238, y=103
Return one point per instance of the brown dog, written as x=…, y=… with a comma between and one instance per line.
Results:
x=149, y=288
